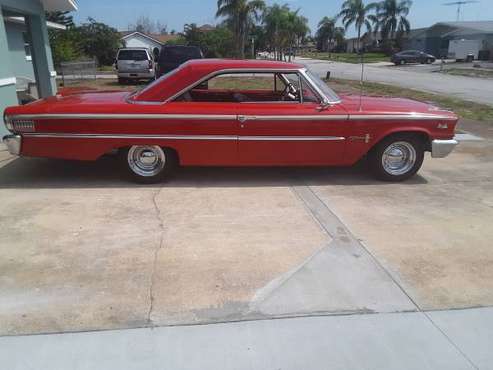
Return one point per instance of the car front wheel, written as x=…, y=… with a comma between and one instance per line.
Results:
x=397, y=158
x=149, y=163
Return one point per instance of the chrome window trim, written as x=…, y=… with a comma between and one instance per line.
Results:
x=321, y=94
x=211, y=75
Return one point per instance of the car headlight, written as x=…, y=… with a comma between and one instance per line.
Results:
x=8, y=123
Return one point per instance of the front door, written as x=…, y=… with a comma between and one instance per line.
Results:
x=292, y=130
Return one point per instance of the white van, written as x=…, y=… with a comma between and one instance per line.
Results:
x=134, y=64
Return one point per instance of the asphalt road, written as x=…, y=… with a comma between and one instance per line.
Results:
x=472, y=89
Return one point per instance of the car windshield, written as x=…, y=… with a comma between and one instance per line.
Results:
x=132, y=55
x=323, y=87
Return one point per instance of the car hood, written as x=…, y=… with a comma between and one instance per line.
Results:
x=379, y=105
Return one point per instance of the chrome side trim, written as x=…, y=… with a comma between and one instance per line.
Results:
x=291, y=138
x=404, y=116
x=442, y=148
x=228, y=117
x=334, y=117
x=186, y=137
x=201, y=117
x=125, y=136
x=216, y=117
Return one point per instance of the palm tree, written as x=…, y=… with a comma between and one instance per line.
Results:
x=357, y=13
x=325, y=32
x=297, y=29
x=275, y=23
x=328, y=33
x=240, y=15
x=391, y=19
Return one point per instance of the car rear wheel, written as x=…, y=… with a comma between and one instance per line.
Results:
x=149, y=163
x=397, y=157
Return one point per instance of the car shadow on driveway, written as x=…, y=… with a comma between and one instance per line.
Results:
x=109, y=173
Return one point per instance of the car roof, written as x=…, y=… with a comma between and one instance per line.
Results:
x=218, y=64
x=196, y=69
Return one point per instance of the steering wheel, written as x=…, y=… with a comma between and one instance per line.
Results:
x=289, y=93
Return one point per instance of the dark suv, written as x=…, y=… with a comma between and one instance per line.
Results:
x=171, y=57
x=412, y=56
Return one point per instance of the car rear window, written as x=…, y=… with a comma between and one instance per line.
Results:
x=180, y=54
x=132, y=55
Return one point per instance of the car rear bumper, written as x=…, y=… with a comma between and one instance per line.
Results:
x=442, y=148
x=13, y=143
x=136, y=74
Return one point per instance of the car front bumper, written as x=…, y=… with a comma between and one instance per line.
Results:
x=442, y=148
x=13, y=143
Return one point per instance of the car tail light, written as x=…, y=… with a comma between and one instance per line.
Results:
x=150, y=64
x=21, y=125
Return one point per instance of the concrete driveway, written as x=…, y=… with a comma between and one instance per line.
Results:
x=83, y=249
x=468, y=88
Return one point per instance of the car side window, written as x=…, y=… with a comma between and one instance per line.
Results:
x=247, y=87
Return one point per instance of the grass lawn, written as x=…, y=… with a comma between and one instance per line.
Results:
x=469, y=72
x=103, y=84
x=348, y=57
x=464, y=109
x=106, y=69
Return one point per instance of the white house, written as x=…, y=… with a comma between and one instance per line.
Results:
x=153, y=42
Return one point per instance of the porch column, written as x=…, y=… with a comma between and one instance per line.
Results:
x=41, y=55
x=8, y=95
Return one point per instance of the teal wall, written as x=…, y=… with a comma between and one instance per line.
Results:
x=10, y=64
x=20, y=66
x=7, y=92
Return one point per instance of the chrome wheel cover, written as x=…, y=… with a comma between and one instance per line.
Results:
x=398, y=158
x=146, y=160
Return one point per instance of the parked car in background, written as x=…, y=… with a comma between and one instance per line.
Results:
x=173, y=56
x=252, y=113
x=412, y=56
x=134, y=64
x=263, y=55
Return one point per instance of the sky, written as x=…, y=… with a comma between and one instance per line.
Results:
x=122, y=13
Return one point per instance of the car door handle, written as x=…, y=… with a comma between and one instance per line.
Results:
x=243, y=119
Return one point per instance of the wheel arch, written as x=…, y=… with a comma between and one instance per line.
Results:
x=417, y=132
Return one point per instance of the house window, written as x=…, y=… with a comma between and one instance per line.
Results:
x=27, y=45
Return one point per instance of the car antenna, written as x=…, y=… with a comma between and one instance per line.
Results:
x=361, y=80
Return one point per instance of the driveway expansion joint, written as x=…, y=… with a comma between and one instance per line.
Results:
x=155, y=258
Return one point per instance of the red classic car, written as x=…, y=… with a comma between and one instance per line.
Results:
x=233, y=113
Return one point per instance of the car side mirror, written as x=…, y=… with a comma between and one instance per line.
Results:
x=323, y=106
